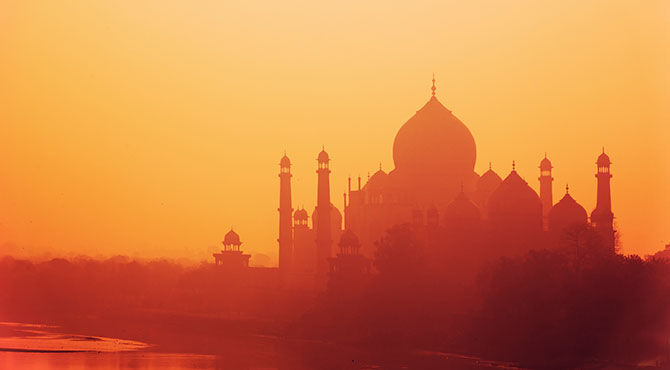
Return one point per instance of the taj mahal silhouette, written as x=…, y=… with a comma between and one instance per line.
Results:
x=432, y=187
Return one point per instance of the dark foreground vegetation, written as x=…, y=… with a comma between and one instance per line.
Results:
x=571, y=305
x=566, y=306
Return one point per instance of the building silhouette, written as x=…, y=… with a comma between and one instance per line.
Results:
x=433, y=186
x=285, y=215
x=231, y=257
x=566, y=213
x=546, y=193
x=304, y=248
x=322, y=214
x=349, y=262
x=602, y=217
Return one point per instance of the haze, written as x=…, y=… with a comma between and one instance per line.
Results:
x=148, y=129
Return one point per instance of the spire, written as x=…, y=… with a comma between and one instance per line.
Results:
x=285, y=237
x=433, y=88
x=323, y=220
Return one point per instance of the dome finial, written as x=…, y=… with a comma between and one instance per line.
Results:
x=380, y=166
x=603, y=149
x=545, y=154
x=489, y=165
x=567, y=189
x=513, y=165
x=433, y=88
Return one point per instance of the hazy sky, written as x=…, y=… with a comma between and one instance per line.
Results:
x=148, y=128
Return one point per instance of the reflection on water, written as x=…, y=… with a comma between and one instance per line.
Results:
x=106, y=360
x=30, y=346
x=20, y=337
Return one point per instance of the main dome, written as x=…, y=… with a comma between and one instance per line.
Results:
x=434, y=140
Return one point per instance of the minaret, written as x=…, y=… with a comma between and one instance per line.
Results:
x=285, y=215
x=602, y=218
x=323, y=237
x=546, y=195
x=346, y=225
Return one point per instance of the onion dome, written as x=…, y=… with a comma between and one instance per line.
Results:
x=488, y=182
x=285, y=162
x=603, y=160
x=231, y=238
x=514, y=199
x=545, y=164
x=461, y=209
x=323, y=156
x=434, y=140
x=376, y=187
x=565, y=213
x=335, y=218
x=377, y=182
x=300, y=215
x=349, y=240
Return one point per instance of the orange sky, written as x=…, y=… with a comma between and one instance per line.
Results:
x=149, y=128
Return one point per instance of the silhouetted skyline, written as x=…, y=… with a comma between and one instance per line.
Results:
x=148, y=131
x=434, y=186
x=333, y=185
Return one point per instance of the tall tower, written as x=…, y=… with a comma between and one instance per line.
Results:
x=323, y=237
x=546, y=194
x=602, y=218
x=285, y=215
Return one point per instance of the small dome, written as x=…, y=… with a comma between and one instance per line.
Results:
x=603, y=160
x=285, y=162
x=323, y=156
x=377, y=182
x=349, y=240
x=300, y=215
x=545, y=164
x=565, y=213
x=514, y=198
x=488, y=182
x=335, y=217
x=232, y=238
x=461, y=209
